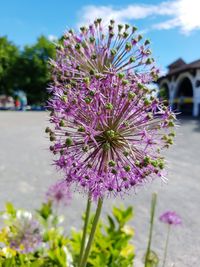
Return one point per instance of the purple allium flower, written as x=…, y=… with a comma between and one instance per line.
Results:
x=59, y=193
x=24, y=235
x=170, y=217
x=109, y=128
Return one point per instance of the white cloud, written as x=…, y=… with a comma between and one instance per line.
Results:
x=52, y=38
x=183, y=14
x=89, y=13
x=168, y=24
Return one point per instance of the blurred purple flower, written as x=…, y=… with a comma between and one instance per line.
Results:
x=59, y=193
x=25, y=235
x=170, y=217
x=109, y=127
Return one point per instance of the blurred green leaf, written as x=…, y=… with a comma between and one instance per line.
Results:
x=10, y=209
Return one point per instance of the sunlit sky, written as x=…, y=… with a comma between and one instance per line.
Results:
x=173, y=26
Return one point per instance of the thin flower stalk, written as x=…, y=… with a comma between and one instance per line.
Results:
x=166, y=246
x=153, y=207
x=92, y=233
x=87, y=217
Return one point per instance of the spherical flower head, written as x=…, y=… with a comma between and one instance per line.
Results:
x=59, y=193
x=171, y=218
x=109, y=128
x=24, y=235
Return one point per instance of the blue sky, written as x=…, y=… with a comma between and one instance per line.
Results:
x=173, y=26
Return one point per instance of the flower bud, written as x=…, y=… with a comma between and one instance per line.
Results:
x=64, y=98
x=81, y=129
x=69, y=141
x=110, y=27
x=125, y=35
x=134, y=29
x=62, y=123
x=154, y=163
x=126, y=153
x=128, y=46
x=114, y=171
x=172, y=134
x=147, y=102
x=140, y=86
x=171, y=124
x=85, y=148
x=127, y=168
x=94, y=57
x=106, y=146
x=71, y=31
x=132, y=59
x=88, y=100
x=92, y=93
x=113, y=52
x=120, y=27
x=99, y=20
x=147, y=160
x=121, y=75
x=127, y=26
x=97, y=76
x=149, y=61
x=125, y=82
x=131, y=95
x=86, y=80
x=147, y=42
x=139, y=37
x=111, y=34
x=77, y=46
x=112, y=163
x=51, y=148
x=52, y=137
x=112, y=21
x=47, y=130
x=83, y=29
x=161, y=165
x=110, y=133
x=92, y=39
x=92, y=72
x=109, y=106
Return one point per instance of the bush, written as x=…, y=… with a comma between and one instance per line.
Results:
x=39, y=239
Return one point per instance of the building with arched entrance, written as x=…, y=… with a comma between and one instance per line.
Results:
x=181, y=87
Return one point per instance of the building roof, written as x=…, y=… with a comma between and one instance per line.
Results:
x=180, y=66
x=176, y=64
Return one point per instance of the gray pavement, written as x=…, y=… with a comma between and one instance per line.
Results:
x=26, y=172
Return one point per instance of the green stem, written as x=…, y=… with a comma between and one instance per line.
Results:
x=21, y=260
x=153, y=207
x=9, y=262
x=87, y=216
x=166, y=246
x=92, y=233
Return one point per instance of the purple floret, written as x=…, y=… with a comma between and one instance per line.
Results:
x=170, y=217
x=59, y=193
x=25, y=235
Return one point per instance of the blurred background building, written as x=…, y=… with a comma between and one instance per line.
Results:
x=181, y=87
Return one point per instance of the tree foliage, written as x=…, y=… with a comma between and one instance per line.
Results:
x=27, y=69
x=9, y=54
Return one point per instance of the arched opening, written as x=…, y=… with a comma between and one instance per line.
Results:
x=164, y=92
x=184, y=97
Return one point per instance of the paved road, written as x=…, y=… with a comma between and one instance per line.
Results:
x=26, y=172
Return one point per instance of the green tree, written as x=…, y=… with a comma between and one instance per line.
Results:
x=9, y=55
x=32, y=69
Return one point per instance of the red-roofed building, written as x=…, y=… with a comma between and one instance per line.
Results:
x=181, y=86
